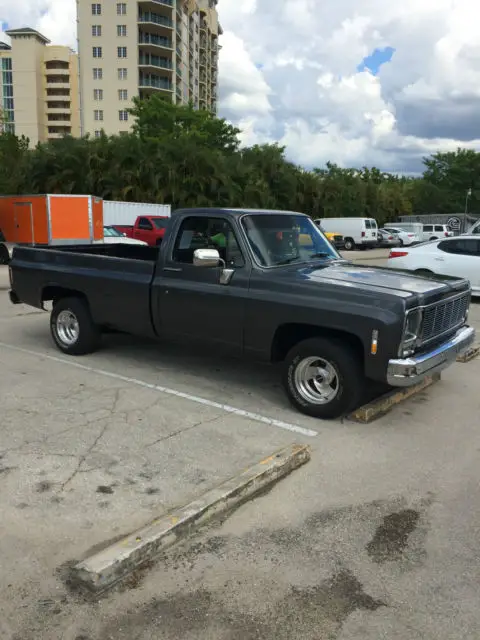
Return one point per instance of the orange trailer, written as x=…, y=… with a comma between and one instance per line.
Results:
x=50, y=220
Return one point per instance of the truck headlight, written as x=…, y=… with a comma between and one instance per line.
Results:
x=412, y=329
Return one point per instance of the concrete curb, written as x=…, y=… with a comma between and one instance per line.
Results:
x=103, y=570
x=470, y=354
x=382, y=405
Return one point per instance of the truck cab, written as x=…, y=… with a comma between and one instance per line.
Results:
x=149, y=229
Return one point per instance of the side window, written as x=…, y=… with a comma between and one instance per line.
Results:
x=439, y=227
x=207, y=233
x=428, y=228
x=144, y=223
x=464, y=247
x=368, y=224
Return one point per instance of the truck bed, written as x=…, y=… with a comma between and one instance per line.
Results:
x=115, y=279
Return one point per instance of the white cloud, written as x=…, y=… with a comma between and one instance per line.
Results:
x=288, y=72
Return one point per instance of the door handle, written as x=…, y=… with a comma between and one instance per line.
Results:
x=175, y=269
x=439, y=259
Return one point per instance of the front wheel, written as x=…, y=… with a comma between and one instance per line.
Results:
x=323, y=378
x=72, y=327
x=349, y=244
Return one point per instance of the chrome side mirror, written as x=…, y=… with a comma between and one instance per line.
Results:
x=206, y=258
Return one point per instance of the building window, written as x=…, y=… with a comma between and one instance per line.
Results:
x=121, y=8
x=96, y=9
x=123, y=115
x=98, y=115
x=122, y=74
x=97, y=133
x=98, y=94
x=97, y=52
x=122, y=94
x=96, y=29
x=121, y=29
x=121, y=52
x=97, y=73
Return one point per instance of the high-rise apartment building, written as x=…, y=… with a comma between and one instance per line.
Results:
x=145, y=47
x=39, y=92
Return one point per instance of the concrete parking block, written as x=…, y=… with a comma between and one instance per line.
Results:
x=104, y=569
x=470, y=354
x=382, y=405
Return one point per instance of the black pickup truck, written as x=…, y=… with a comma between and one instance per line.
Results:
x=265, y=285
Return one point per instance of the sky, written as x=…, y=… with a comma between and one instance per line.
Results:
x=354, y=82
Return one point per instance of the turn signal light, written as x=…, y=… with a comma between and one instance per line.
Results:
x=398, y=254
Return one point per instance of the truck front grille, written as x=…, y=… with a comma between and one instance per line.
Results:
x=445, y=315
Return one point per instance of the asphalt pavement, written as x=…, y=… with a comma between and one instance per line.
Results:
x=376, y=537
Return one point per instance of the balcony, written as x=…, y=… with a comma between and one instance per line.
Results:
x=165, y=7
x=58, y=80
x=156, y=62
x=154, y=84
x=154, y=42
x=60, y=107
x=57, y=121
x=56, y=72
x=160, y=25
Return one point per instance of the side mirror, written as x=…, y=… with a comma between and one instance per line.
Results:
x=206, y=258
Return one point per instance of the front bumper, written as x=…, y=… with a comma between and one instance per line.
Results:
x=408, y=371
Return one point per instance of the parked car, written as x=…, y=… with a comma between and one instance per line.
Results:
x=150, y=229
x=387, y=239
x=358, y=233
x=260, y=294
x=405, y=238
x=414, y=228
x=113, y=236
x=436, y=231
x=458, y=257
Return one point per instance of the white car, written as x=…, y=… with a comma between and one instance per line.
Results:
x=406, y=238
x=112, y=236
x=458, y=256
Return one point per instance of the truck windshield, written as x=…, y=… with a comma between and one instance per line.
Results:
x=279, y=239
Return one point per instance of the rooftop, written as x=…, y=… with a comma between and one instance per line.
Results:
x=27, y=31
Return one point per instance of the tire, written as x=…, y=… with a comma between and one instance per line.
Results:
x=401, y=242
x=4, y=255
x=434, y=238
x=347, y=387
x=158, y=242
x=72, y=328
x=349, y=244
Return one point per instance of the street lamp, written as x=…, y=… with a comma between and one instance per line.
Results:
x=469, y=193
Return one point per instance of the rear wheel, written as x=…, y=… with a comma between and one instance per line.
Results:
x=323, y=378
x=401, y=242
x=349, y=244
x=434, y=238
x=72, y=327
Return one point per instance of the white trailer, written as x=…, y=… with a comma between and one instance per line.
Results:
x=125, y=213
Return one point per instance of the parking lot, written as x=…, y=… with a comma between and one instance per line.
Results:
x=376, y=537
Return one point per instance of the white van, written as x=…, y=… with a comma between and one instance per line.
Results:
x=357, y=232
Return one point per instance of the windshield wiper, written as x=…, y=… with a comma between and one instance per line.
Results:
x=288, y=260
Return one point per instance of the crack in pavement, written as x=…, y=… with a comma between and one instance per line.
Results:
x=85, y=455
x=175, y=433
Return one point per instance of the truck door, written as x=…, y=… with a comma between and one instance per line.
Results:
x=143, y=230
x=23, y=223
x=189, y=301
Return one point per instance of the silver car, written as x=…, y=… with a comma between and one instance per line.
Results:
x=388, y=239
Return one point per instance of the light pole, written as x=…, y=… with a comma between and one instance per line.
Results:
x=469, y=193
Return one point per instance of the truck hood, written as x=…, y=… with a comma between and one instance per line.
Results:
x=383, y=281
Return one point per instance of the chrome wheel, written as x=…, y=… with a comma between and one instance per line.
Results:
x=67, y=327
x=316, y=380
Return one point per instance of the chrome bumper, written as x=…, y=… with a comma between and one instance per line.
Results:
x=408, y=371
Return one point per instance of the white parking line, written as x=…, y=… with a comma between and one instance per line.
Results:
x=172, y=392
